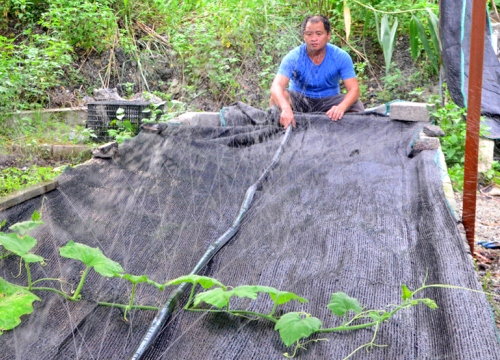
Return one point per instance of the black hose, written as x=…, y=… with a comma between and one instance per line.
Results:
x=164, y=314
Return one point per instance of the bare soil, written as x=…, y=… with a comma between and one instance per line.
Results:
x=487, y=260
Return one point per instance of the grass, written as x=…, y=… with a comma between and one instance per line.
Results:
x=24, y=146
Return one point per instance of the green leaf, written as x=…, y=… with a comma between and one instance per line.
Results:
x=427, y=46
x=406, y=293
x=277, y=296
x=16, y=243
x=36, y=216
x=2, y=224
x=413, y=39
x=429, y=302
x=92, y=257
x=434, y=30
x=23, y=228
x=245, y=291
x=282, y=297
x=218, y=297
x=379, y=316
x=387, y=39
x=205, y=281
x=20, y=245
x=293, y=327
x=341, y=303
x=135, y=279
x=15, y=302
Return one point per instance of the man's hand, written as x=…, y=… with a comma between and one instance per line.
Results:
x=287, y=118
x=336, y=112
x=281, y=98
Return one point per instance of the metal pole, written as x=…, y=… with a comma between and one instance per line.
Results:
x=473, y=118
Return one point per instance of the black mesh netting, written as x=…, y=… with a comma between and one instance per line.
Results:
x=455, y=33
x=344, y=210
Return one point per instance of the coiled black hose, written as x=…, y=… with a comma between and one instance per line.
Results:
x=164, y=314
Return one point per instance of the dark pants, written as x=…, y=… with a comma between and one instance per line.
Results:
x=304, y=104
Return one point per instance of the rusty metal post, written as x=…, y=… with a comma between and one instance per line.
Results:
x=473, y=118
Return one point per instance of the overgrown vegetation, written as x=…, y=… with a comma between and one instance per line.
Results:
x=13, y=179
x=195, y=60
x=451, y=118
x=204, y=55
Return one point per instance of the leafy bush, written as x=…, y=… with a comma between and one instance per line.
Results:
x=451, y=119
x=82, y=23
x=27, y=70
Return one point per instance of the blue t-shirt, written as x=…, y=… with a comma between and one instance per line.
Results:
x=317, y=81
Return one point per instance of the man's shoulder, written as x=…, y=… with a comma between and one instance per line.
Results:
x=335, y=50
x=296, y=51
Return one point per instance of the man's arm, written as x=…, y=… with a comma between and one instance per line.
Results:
x=280, y=98
x=352, y=87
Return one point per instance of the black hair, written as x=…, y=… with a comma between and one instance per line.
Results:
x=316, y=19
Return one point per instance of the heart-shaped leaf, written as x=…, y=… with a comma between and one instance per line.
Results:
x=20, y=245
x=92, y=257
x=24, y=227
x=293, y=327
x=217, y=297
x=15, y=302
x=341, y=303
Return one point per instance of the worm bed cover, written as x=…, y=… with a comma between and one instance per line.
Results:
x=455, y=32
x=344, y=210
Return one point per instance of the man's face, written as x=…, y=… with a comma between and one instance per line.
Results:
x=315, y=36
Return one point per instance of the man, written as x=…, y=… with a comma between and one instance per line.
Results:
x=313, y=70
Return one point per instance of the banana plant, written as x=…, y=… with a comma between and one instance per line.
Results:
x=387, y=38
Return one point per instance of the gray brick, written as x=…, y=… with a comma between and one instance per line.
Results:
x=410, y=111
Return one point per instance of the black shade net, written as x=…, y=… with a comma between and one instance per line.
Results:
x=455, y=33
x=345, y=210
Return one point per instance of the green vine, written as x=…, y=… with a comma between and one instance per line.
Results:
x=295, y=328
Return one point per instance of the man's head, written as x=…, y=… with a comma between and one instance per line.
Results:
x=314, y=19
x=316, y=31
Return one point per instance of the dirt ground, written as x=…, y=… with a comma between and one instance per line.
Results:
x=487, y=260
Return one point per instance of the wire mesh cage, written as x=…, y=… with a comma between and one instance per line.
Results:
x=102, y=115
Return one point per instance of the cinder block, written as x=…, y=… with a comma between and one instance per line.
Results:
x=486, y=154
x=410, y=111
x=68, y=151
x=424, y=143
x=197, y=119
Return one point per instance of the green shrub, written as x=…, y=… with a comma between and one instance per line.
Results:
x=451, y=119
x=82, y=23
x=27, y=70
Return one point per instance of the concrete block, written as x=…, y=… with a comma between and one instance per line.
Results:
x=71, y=116
x=424, y=143
x=433, y=131
x=106, y=151
x=68, y=151
x=197, y=119
x=486, y=153
x=410, y=111
x=21, y=196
